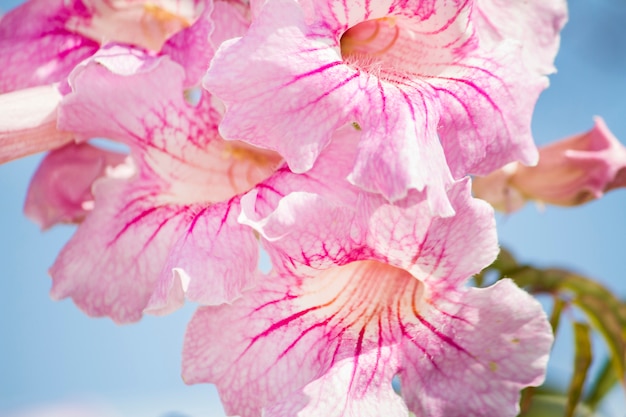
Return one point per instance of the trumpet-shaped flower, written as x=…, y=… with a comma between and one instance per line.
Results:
x=39, y=55
x=570, y=172
x=367, y=292
x=171, y=229
x=433, y=100
x=59, y=34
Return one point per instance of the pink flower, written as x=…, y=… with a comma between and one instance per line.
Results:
x=432, y=102
x=363, y=292
x=42, y=40
x=570, y=172
x=170, y=231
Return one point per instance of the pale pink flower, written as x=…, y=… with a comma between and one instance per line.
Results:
x=570, y=172
x=363, y=293
x=433, y=100
x=171, y=230
x=41, y=41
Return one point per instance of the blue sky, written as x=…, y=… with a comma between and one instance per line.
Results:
x=51, y=353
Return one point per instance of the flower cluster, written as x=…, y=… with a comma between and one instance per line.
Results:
x=340, y=134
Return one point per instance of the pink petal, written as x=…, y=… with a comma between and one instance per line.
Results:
x=280, y=29
x=394, y=125
x=60, y=34
x=478, y=350
x=29, y=122
x=340, y=392
x=175, y=142
x=92, y=98
x=60, y=191
x=188, y=176
x=324, y=221
x=36, y=48
x=535, y=23
x=231, y=19
x=442, y=252
x=112, y=263
x=191, y=47
x=211, y=262
x=288, y=332
x=488, y=102
x=576, y=169
x=133, y=254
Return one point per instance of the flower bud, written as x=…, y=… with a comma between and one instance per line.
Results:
x=570, y=172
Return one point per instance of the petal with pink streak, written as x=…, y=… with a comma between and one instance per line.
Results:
x=111, y=265
x=289, y=331
x=400, y=149
x=476, y=350
x=29, y=122
x=36, y=48
x=326, y=178
x=443, y=252
x=174, y=142
x=390, y=120
x=355, y=326
x=277, y=87
x=252, y=365
x=142, y=84
x=488, y=102
x=60, y=191
x=183, y=164
x=350, y=388
x=210, y=263
x=349, y=224
x=419, y=78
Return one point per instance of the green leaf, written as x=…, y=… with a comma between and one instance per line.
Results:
x=582, y=361
x=504, y=262
x=554, y=405
x=603, y=383
x=555, y=317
